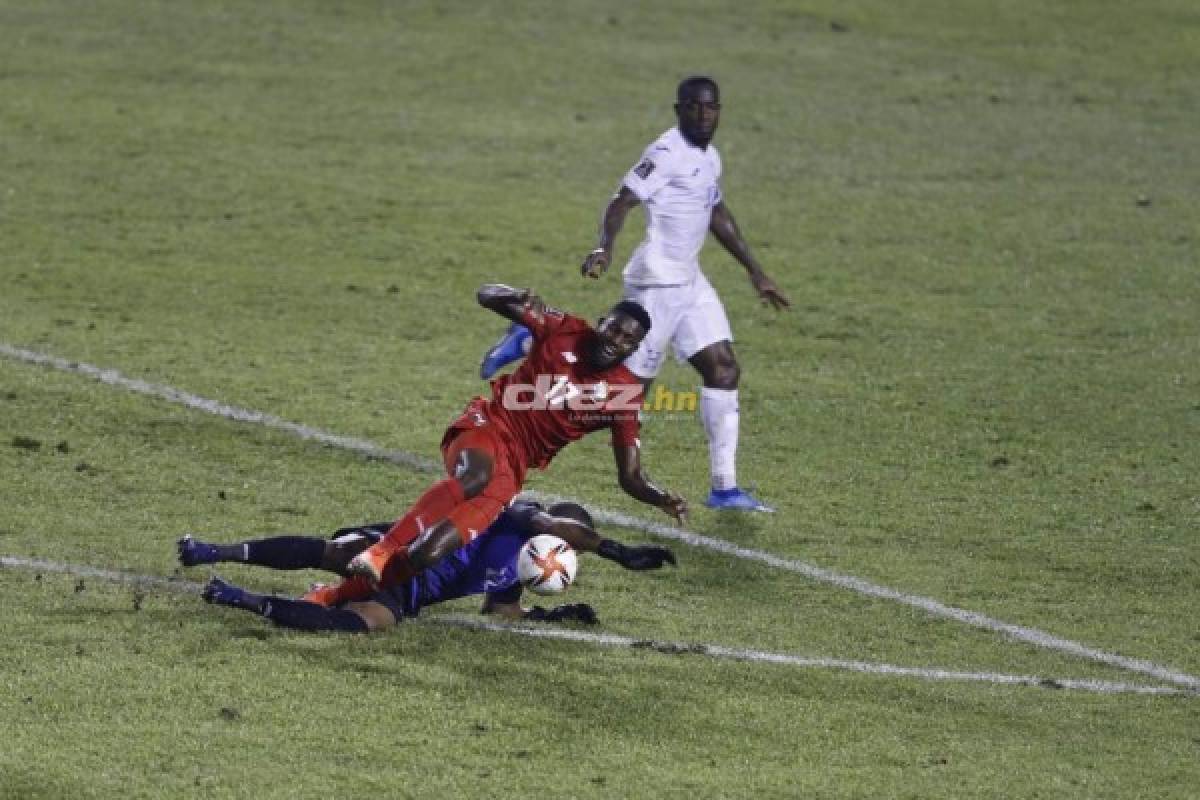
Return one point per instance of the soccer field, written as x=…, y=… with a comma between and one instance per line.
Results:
x=239, y=245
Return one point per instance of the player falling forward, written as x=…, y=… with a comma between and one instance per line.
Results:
x=487, y=565
x=571, y=384
x=677, y=181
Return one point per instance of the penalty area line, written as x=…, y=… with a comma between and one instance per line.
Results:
x=373, y=451
x=611, y=640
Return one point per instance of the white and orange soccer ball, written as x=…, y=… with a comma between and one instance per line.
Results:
x=546, y=565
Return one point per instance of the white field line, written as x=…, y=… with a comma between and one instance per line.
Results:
x=714, y=651
x=1029, y=635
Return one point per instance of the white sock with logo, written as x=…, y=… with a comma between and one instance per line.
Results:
x=719, y=410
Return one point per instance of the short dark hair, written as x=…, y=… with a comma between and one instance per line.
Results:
x=571, y=511
x=633, y=309
x=691, y=83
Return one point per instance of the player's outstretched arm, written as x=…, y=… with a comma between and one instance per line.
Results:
x=586, y=540
x=725, y=228
x=636, y=484
x=615, y=212
x=510, y=303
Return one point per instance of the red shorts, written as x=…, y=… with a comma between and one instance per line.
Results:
x=472, y=517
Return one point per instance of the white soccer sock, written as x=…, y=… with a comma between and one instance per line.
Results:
x=719, y=410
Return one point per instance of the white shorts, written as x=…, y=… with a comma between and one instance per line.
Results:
x=689, y=318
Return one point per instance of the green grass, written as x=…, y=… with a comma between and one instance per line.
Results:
x=986, y=393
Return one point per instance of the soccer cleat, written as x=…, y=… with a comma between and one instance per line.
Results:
x=221, y=593
x=369, y=563
x=513, y=345
x=322, y=594
x=193, y=552
x=350, y=590
x=736, y=500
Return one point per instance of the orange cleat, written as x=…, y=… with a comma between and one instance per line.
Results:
x=322, y=594
x=347, y=591
x=370, y=563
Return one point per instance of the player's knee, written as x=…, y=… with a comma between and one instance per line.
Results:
x=725, y=374
x=339, y=551
x=435, y=544
x=376, y=616
x=473, y=472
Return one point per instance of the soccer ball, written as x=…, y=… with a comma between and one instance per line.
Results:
x=546, y=565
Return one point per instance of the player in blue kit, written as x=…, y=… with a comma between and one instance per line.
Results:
x=486, y=565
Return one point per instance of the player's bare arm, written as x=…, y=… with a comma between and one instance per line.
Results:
x=508, y=302
x=724, y=227
x=636, y=484
x=615, y=212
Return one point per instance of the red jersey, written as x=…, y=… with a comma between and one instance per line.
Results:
x=554, y=398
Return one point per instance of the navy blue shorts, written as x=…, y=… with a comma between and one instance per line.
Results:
x=402, y=599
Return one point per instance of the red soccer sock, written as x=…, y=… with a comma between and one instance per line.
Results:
x=430, y=509
x=348, y=590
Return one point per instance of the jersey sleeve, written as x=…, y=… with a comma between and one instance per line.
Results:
x=718, y=195
x=651, y=173
x=552, y=320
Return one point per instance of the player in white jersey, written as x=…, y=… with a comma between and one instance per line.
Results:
x=677, y=181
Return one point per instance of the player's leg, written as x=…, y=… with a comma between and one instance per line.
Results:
x=276, y=552
x=512, y=346
x=300, y=614
x=285, y=552
x=648, y=359
x=704, y=338
x=346, y=544
x=469, y=520
x=470, y=457
x=355, y=588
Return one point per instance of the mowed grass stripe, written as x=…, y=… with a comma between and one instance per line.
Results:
x=1033, y=636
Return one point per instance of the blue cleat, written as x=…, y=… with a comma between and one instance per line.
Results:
x=513, y=346
x=221, y=593
x=193, y=552
x=736, y=500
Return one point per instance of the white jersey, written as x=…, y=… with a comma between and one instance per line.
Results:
x=678, y=184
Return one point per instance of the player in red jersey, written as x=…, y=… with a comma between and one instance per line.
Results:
x=572, y=383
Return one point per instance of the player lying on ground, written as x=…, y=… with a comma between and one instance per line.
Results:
x=572, y=383
x=486, y=565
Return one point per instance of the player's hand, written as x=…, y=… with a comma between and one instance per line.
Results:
x=596, y=263
x=768, y=292
x=647, y=556
x=641, y=557
x=532, y=305
x=675, y=506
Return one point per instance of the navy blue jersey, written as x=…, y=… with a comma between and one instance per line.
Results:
x=488, y=564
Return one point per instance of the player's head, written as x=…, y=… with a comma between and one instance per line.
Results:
x=571, y=511
x=698, y=109
x=618, y=334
